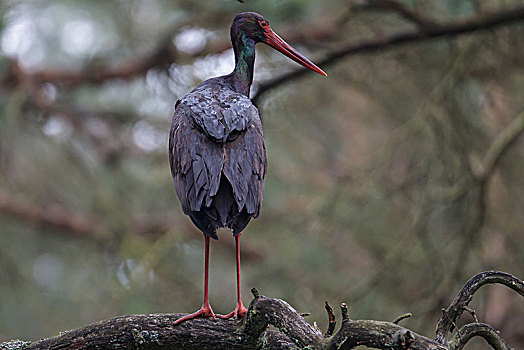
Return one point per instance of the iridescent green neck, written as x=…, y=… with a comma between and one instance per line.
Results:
x=242, y=76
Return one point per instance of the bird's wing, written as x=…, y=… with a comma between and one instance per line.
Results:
x=218, y=111
x=245, y=167
x=196, y=163
x=215, y=129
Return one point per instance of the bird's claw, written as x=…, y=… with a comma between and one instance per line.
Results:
x=205, y=311
x=239, y=312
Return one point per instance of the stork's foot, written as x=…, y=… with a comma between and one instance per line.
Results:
x=205, y=311
x=239, y=312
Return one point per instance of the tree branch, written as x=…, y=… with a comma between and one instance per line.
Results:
x=483, y=330
x=413, y=36
x=332, y=321
x=291, y=331
x=78, y=224
x=397, y=7
x=54, y=216
x=498, y=147
x=458, y=306
x=381, y=335
x=157, y=331
x=163, y=54
x=265, y=311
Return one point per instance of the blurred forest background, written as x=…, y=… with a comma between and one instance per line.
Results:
x=390, y=182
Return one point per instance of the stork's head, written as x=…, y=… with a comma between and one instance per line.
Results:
x=253, y=26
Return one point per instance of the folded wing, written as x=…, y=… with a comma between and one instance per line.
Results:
x=217, y=132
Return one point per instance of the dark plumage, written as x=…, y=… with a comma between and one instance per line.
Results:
x=218, y=157
x=216, y=147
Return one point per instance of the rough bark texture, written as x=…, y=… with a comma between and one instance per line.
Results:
x=156, y=331
x=290, y=330
x=459, y=305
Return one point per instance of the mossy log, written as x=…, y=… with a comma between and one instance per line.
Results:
x=274, y=324
x=156, y=331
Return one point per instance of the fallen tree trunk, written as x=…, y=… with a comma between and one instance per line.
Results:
x=289, y=329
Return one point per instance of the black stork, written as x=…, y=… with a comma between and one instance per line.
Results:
x=216, y=147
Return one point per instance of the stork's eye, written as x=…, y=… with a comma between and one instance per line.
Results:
x=264, y=24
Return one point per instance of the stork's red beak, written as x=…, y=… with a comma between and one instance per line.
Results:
x=277, y=43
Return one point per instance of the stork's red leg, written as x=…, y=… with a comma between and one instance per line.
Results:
x=205, y=310
x=240, y=310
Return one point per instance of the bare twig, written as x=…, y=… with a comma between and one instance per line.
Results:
x=481, y=330
x=457, y=307
x=381, y=335
x=498, y=148
x=344, y=311
x=402, y=317
x=472, y=312
x=397, y=7
x=332, y=322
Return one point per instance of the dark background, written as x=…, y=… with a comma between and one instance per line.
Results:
x=390, y=182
